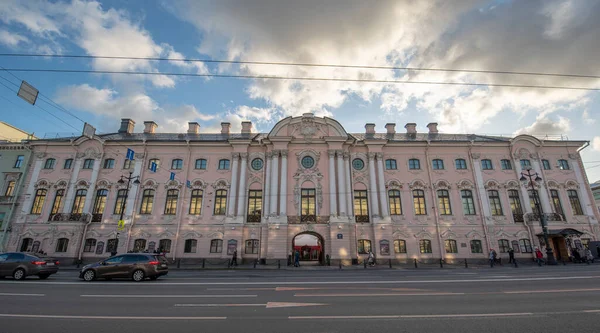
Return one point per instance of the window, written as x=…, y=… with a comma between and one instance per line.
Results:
x=533, y=199
x=177, y=164
x=503, y=245
x=425, y=246
x=525, y=245
x=556, y=202
x=486, y=164
x=220, y=202
x=476, y=246
x=155, y=161
x=216, y=246
x=127, y=164
x=361, y=207
x=79, y=202
x=115, y=260
x=38, y=201
x=450, y=245
x=358, y=164
x=467, y=202
x=391, y=164
x=224, y=165
x=563, y=165
x=437, y=164
x=196, y=202
x=147, y=202
x=364, y=246
x=109, y=163
x=62, y=245
x=419, y=202
x=308, y=211
x=90, y=245
x=414, y=164
x=100, y=201
x=26, y=244
x=525, y=164
x=49, y=163
x=495, y=205
x=19, y=161
x=546, y=164
x=164, y=245
x=395, y=202
x=58, y=198
x=121, y=196
x=2, y=219
x=254, y=205
x=307, y=162
x=200, y=164
x=171, y=202
x=575, y=204
x=399, y=246
x=257, y=164
x=111, y=245
x=139, y=245
x=515, y=203
x=515, y=246
x=88, y=163
x=444, y=202
x=10, y=188
x=460, y=164
x=252, y=246
x=231, y=246
x=506, y=164
x=68, y=163
x=190, y=246
x=384, y=247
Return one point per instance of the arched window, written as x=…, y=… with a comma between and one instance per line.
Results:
x=79, y=201
x=444, y=202
x=476, y=246
x=399, y=246
x=254, y=205
x=563, y=165
x=62, y=245
x=171, y=202
x=556, y=202
x=88, y=163
x=460, y=164
x=100, y=202
x=190, y=246
x=90, y=245
x=10, y=188
x=515, y=205
x=361, y=206
x=395, y=202
x=38, y=201
x=155, y=161
x=224, y=164
x=308, y=205
x=58, y=198
x=164, y=245
x=26, y=244
x=109, y=163
x=486, y=164
x=127, y=164
x=112, y=245
x=201, y=164
x=364, y=246
x=525, y=245
x=252, y=246
x=414, y=164
x=450, y=245
x=196, y=202
x=49, y=163
x=525, y=164
x=503, y=245
x=425, y=246
x=220, y=202
x=505, y=164
x=419, y=202
x=68, y=163
x=437, y=164
x=177, y=164
x=216, y=246
x=575, y=204
x=147, y=202
x=121, y=195
x=467, y=202
x=139, y=245
x=495, y=205
x=384, y=247
x=390, y=164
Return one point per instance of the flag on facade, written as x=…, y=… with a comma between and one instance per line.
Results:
x=188, y=184
x=130, y=154
x=153, y=167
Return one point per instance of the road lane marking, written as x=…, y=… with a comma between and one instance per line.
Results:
x=549, y=291
x=378, y=295
x=245, y=289
x=16, y=315
x=168, y=296
x=461, y=315
x=591, y=311
x=15, y=294
x=346, y=317
x=268, y=305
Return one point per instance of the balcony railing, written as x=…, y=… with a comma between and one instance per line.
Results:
x=96, y=217
x=70, y=217
x=362, y=218
x=7, y=199
x=253, y=219
x=308, y=219
x=518, y=217
x=550, y=217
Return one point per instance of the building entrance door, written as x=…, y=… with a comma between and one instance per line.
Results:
x=310, y=247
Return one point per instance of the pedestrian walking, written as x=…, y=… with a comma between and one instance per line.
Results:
x=598, y=250
x=539, y=256
x=297, y=259
x=234, y=258
x=371, y=259
x=492, y=257
x=589, y=256
x=511, y=256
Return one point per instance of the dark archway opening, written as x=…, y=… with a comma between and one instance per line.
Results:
x=310, y=246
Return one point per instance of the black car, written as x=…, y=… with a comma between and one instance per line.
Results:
x=135, y=266
x=21, y=265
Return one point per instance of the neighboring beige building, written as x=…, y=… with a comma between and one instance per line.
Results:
x=13, y=134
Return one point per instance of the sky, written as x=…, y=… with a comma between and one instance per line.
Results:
x=551, y=36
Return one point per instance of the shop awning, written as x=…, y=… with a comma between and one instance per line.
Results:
x=562, y=232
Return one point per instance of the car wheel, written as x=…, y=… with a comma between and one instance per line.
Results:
x=19, y=274
x=138, y=275
x=43, y=276
x=153, y=278
x=89, y=275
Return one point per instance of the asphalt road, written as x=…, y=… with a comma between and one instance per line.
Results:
x=532, y=299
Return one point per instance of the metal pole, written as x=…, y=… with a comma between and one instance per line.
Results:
x=549, y=254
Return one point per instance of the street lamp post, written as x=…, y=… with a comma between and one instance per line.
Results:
x=136, y=181
x=527, y=178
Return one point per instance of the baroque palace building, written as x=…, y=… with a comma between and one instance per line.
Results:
x=402, y=195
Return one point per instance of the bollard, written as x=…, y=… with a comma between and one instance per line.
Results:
x=441, y=263
x=203, y=262
x=278, y=264
x=416, y=264
x=340, y=265
x=228, y=263
x=466, y=264
x=390, y=262
x=178, y=263
x=255, y=261
x=365, y=263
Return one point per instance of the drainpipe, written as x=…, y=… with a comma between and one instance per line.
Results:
x=187, y=175
x=82, y=241
x=485, y=233
x=435, y=208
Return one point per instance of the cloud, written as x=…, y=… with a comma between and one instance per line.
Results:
x=587, y=118
x=11, y=39
x=546, y=126
x=596, y=143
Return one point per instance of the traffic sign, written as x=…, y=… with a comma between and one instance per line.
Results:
x=130, y=154
x=121, y=225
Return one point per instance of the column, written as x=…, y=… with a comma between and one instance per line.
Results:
x=542, y=191
x=373, y=186
x=267, y=187
x=332, y=191
x=91, y=195
x=233, y=187
x=382, y=194
x=274, y=176
x=133, y=190
x=71, y=190
x=526, y=206
x=243, y=193
x=480, y=188
x=348, y=184
x=30, y=194
x=341, y=182
x=283, y=191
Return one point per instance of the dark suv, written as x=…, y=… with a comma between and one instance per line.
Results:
x=136, y=266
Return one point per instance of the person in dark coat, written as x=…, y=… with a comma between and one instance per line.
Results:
x=598, y=250
x=297, y=259
x=234, y=258
x=511, y=255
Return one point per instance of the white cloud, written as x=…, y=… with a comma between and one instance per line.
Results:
x=11, y=39
x=546, y=126
x=596, y=143
x=587, y=118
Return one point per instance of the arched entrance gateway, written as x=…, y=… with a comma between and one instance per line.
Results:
x=311, y=247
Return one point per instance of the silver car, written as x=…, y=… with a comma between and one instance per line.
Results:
x=21, y=265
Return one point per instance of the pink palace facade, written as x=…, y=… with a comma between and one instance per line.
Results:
x=403, y=195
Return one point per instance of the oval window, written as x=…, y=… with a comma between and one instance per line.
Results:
x=358, y=164
x=308, y=162
x=257, y=164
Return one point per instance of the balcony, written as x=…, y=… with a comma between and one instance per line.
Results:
x=362, y=218
x=518, y=217
x=6, y=199
x=549, y=217
x=70, y=217
x=96, y=217
x=253, y=219
x=308, y=219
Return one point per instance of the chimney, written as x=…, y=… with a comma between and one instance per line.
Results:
x=246, y=127
x=432, y=128
x=411, y=128
x=370, y=127
x=391, y=128
x=127, y=126
x=150, y=127
x=193, y=127
x=225, y=128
